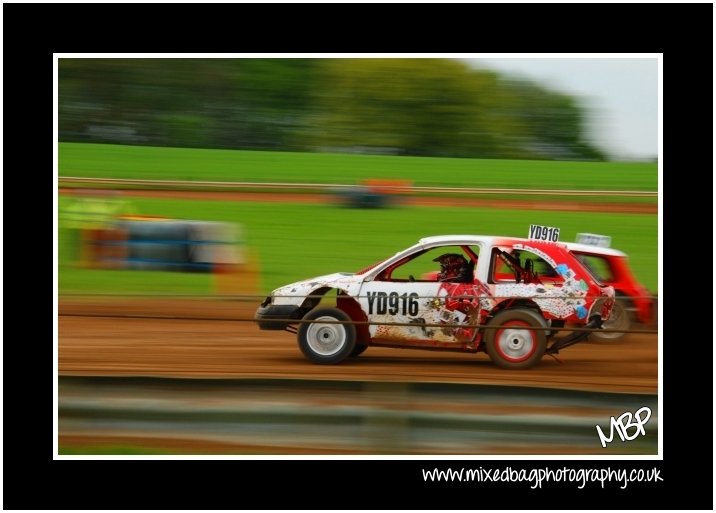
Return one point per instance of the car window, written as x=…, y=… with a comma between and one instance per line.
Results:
x=509, y=266
x=423, y=266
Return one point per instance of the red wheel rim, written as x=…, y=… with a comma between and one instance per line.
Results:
x=515, y=344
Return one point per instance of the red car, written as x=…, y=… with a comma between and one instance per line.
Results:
x=500, y=295
x=633, y=301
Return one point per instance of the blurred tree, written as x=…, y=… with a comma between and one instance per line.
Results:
x=437, y=107
x=545, y=124
x=441, y=107
x=214, y=103
x=405, y=106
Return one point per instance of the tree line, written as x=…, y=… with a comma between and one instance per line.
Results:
x=425, y=107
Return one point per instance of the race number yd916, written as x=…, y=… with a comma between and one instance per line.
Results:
x=548, y=233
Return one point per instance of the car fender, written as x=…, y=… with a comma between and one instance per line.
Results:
x=297, y=293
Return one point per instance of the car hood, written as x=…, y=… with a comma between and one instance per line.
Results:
x=344, y=281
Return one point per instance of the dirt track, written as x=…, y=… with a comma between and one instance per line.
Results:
x=229, y=348
x=175, y=347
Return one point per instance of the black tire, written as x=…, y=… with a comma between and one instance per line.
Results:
x=509, y=346
x=620, y=319
x=330, y=342
x=358, y=350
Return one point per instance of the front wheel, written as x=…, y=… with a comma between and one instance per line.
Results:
x=512, y=346
x=331, y=341
x=619, y=319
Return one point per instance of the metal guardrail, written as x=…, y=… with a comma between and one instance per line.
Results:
x=355, y=323
x=333, y=187
x=238, y=298
x=349, y=416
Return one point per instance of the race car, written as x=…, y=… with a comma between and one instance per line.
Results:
x=633, y=301
x=506, y=296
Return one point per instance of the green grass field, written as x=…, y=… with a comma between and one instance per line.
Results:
x=298, y=241
x=117, y=161
x=114, y=450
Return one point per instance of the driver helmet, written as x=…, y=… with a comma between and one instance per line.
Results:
x=452, y=266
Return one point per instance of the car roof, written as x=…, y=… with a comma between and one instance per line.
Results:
x=474, y=239
x=463, y=239
x=496, y=240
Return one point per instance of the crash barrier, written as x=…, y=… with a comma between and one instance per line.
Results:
x=168, y=245
x=293, y=187
x=84, y=305
x=374, y=193
x=319, y=416
x=278, y=322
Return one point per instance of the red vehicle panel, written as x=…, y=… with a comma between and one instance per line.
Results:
x=634, y=303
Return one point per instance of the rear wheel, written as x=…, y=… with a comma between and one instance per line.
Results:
x=511, y=344
x=619, y=319
x=331, y=341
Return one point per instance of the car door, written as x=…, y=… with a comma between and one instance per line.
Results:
x=404, y=312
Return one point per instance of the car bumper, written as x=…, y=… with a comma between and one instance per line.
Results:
x=276, y=317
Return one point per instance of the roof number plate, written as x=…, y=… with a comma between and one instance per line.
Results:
x=592, y=239
x=548, y=233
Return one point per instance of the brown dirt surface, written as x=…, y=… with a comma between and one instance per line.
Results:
x=437, y=201
x=216, y=338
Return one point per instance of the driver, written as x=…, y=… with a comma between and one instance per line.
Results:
x=454, y=268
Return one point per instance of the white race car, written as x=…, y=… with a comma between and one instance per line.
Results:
x=505, y=296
